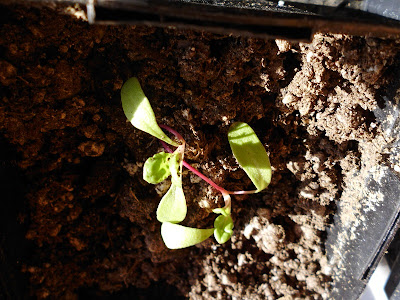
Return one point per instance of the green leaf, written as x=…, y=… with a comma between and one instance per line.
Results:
x=138, y=110
x=223, y=211
x=223, y=228
x=177, y=236
x=156, y=168
x=250, y=154
x=172, y=207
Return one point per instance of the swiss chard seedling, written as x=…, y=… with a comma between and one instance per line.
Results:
x=245, y=145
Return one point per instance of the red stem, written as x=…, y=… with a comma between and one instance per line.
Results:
x=205, y=178
x=174, y=132
x=195, y=171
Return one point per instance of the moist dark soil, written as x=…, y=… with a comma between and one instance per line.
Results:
x=87, y=217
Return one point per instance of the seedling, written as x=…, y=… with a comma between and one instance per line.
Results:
x=245, y=145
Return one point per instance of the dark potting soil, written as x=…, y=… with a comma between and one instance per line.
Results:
x=89, y=216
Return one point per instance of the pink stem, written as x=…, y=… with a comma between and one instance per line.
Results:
x=242, y=192
x=174, y=132
x=206, y=179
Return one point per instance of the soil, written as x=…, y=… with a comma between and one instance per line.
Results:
x=89, y=215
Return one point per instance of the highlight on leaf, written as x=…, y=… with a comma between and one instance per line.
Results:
x=250, y=154
x=156, y=168
x=177, y=236
x=138, y=110
x=223, y=228
x=245, y=145
x=172, y=207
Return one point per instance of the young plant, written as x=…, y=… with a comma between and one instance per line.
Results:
x=137, y=109
x=245, y=145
